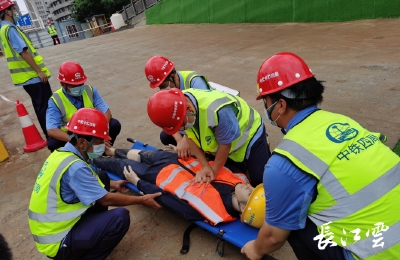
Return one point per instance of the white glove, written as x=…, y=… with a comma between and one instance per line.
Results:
x=130, y=175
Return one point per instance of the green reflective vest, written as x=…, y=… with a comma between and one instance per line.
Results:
x=20, y=70
x=67, y=109
x=208, y=104
x=52, y=30
x=189, y=75
x=50, y=218
x=358, y=182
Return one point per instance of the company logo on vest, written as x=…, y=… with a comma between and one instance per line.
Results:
x=338, y=132
x=208, y=140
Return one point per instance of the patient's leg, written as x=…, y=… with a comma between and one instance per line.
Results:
x=134, y=155
x=116, y=166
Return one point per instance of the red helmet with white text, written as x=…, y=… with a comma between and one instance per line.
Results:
x=71, y=73
x=4, y=4
x=281, y=71
x=167, y=109
x=157, y=70
x=89, y=121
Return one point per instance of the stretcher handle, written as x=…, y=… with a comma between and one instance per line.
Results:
x=131, y=140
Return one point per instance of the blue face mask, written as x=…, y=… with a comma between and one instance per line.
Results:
x=16, y=18
x=190, y=125
x=77, y=91
x=267, y=115
x=98, y=151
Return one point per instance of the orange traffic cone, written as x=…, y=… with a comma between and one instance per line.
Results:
x=57, y=42
x=112, y=27
x=33, y=139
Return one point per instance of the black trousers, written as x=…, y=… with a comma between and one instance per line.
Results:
x=306, y=248
x=54, y=37
x=97, y=233
x=115, y=129
x=40, y=94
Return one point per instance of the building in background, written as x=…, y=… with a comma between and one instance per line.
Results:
x=37, y=20
x=60, y=10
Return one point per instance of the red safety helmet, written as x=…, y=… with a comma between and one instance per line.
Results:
x=89, y=121
x=48, y=22
x=4, y=4
x=71, y=73
x=167, y=109
x=157, y=70
x=281, y=71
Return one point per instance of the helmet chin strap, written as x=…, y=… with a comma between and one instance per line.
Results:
x=90, y=145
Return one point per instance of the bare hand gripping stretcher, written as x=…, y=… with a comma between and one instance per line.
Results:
x=234, y=232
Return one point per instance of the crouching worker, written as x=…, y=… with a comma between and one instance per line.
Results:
x=157, y=171
x=72, y=96
x=221, y=125
x=162, y=74
x=68, y=212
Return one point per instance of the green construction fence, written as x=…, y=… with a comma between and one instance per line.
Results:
x=269, y=11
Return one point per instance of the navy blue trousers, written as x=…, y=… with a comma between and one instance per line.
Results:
x=115, y=129
x=306, y=248
x=97, y=233
x=40, y=94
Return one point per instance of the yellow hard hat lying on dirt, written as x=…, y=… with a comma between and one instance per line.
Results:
x=254, y=213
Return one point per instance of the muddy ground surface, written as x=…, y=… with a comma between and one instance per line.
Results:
x=359, y=61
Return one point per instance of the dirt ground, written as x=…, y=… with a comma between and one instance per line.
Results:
x=359, y=61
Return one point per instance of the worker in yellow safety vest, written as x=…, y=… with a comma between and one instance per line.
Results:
x=161, y=73
x=331, y=186
x=53, y=33
x=26, y=65
x=68, y=211
x=72, y=96
x=223, y=126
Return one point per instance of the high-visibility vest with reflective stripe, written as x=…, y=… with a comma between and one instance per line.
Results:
x=206, y=200
x=50, y=218
x=52, y=30
x=189, y=75
x=67, y=109
x=358, y=181
x=20, y=70
x=209, y=102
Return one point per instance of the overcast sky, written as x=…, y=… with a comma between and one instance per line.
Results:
x=22, y=6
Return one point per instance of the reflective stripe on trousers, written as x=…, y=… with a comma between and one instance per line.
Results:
x=51, y=214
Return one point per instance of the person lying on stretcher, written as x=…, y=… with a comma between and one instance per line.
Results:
x=158, y=171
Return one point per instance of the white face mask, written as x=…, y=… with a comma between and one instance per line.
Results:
x=267, y=114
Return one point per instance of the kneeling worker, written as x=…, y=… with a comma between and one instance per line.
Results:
x=68, y=212
x=339, y=185
x=162, y=74
x=217, y=123
x=66, y=101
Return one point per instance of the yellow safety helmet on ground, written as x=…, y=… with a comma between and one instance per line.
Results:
x=254, y=213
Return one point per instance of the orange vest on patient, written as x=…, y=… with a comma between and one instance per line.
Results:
x=206, y=200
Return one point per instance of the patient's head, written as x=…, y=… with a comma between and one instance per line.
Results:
x=242, y=193
x=253, y=212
